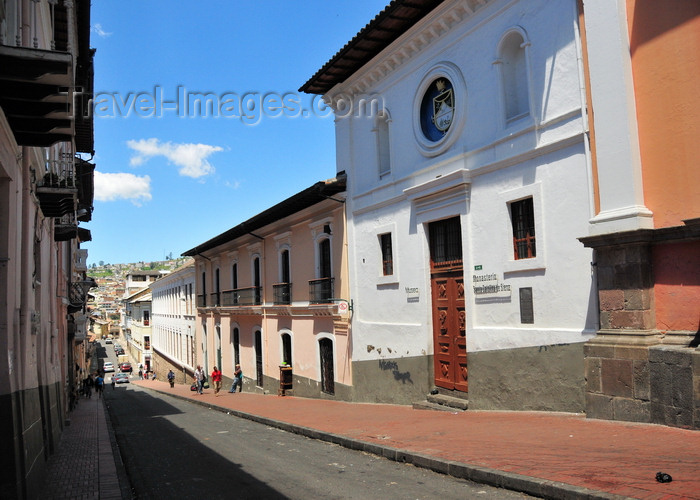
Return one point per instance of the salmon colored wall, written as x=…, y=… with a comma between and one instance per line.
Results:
x=677, y=286
x=665, y=51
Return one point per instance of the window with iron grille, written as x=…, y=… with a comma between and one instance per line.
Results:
x=522, y=216
x=387, y=254
x=446, y=241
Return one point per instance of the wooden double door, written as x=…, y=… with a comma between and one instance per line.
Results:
x=448, y=305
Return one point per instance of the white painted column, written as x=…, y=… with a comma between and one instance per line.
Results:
x=615, y=119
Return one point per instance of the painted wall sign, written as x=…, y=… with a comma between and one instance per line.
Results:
x=412, y=293
x=488, y=285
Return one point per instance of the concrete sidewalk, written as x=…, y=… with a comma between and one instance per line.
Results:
x=543, y=454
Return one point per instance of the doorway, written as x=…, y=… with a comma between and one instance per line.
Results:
x=448, y=306
x=258, y=358
x=327, y=375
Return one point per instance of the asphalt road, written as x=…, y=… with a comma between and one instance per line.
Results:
x=175, y=449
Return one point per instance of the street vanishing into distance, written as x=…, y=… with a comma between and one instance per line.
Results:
x=176, y=449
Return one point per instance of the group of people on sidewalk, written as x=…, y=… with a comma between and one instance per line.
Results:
x=200, y=380
x=95, y=381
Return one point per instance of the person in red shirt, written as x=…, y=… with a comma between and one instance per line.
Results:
x=216, y=378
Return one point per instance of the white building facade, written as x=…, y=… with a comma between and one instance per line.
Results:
x=173, y=325
x=468, y=185
x=137, y=311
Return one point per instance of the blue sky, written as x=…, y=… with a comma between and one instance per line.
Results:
x=170, y=176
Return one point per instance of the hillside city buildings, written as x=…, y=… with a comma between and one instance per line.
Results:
x=513, y=224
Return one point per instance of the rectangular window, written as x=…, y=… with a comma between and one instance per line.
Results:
x=527, y=314
x=522, y=216
x=446, y=242
x=387, y=254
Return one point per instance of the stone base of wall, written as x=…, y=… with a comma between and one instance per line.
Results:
x=636, y=379
x=392, y=381
x=544, y=378
x=162, y=364
x=32, y=424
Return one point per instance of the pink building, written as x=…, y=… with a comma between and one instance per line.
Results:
x=46, y=190
x=272, y=296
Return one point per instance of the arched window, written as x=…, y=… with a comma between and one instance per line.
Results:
x=283, y=290
x=513, y=62
x=324, y=259
x=256, y=280
x=217, y=289
x=284, y=266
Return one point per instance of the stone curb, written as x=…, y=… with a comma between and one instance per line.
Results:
x=542, y=488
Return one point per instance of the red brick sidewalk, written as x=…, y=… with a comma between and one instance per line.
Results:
x=614, y=458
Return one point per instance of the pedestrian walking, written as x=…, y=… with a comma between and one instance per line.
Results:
x=216, y=378
x=99, y=385
x=171, y=378
x=88, y=383
x=199, y=379
x=237, y=379
x=114, y=383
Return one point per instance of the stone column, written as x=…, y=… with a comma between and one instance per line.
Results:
x=617, y=359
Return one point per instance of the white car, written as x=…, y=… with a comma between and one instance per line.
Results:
x=108, y=366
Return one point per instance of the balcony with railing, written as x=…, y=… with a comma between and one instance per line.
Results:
x=321, y=291
x=46, y=58
x=65, y=228
x=56, y=187
x=202, y=300
x=282, y=293
x=214, y=299
x=250, y=296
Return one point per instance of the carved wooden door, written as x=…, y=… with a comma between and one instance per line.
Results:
x=449, y=315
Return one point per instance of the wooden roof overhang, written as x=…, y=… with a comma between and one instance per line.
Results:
x=392, y=22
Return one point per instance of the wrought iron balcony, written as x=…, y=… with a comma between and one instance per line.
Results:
x=77, y=292
x=321, y=291
x=282, y=293
x=215, y=299
x=250, y=296
x=229, y=298
x=65, y=228
x=202, y=300
x=56, y=188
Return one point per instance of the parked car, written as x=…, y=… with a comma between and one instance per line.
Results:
x=108, y=341
x=120, y=378
x=119, y=351
x=126, y=367
x=108, y=366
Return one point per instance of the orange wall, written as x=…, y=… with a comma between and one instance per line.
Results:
x=665, y=51
x=677, y=286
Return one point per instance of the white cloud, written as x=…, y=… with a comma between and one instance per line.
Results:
x=97, y=28
x=190, y=158
x=122, y=186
